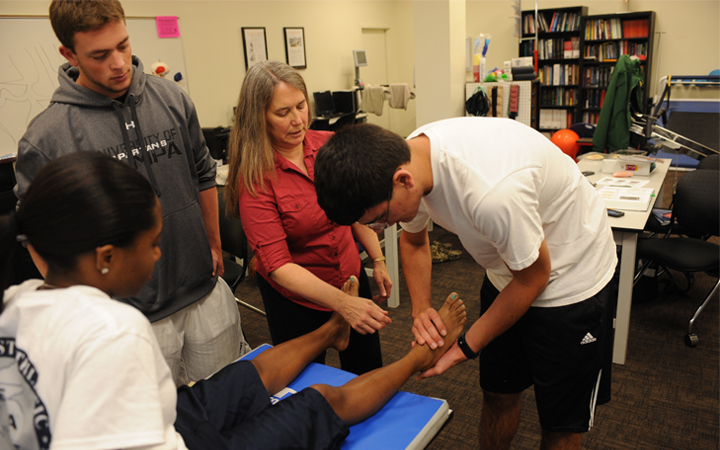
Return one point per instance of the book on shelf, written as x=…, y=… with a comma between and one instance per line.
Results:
x=576, y=47
x=555, y=119
x=636, y=28
x=600, y=29
x=591, y=117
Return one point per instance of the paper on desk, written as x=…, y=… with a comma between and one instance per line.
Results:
x=628, y=199
x=622, y=182
x=221, y=174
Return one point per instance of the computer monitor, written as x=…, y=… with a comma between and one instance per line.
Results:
x=345, y=102
x=360, y=58
x=217, y=141
x=324, y=104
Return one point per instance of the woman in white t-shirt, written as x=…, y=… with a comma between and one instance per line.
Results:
x=79, y=370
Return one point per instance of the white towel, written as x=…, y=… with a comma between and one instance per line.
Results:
x=400, y=95
x=373, y=98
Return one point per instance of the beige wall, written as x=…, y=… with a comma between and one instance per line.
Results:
x=690, y=44
x=214, y=55
x=212, y=41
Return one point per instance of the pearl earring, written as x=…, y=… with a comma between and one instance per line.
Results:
x=104, y=271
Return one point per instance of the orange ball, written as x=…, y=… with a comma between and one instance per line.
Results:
x=566, y=140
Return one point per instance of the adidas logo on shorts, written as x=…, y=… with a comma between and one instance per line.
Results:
x=588, y=339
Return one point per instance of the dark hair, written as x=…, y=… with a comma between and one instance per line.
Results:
x=68, y=17
x=76, y=203
x=355, y=168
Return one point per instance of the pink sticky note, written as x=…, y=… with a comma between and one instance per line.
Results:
x=167, y=26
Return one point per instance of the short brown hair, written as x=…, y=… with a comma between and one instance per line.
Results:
x=71, y=16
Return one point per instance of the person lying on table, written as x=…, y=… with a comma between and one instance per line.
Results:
x=80, y=370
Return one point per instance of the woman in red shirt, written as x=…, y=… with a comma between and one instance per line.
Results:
x=303, y=258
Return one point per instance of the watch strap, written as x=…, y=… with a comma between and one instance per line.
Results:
x=467, y=351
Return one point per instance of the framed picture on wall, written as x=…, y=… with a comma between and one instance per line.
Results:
x=255, y=45
x=295, y=47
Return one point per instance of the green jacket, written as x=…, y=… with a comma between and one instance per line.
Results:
x=613, y=128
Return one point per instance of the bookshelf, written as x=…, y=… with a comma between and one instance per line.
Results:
x=559, y=46
x=604, y=38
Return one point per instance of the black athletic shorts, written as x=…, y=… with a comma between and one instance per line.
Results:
x=232, y=410
x=562, y=351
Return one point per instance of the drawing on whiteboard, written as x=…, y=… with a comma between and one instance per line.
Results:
x=29, y=62
x=28, y=78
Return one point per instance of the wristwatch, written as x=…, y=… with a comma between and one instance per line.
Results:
x=467, y=351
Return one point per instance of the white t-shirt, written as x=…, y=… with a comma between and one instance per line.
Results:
x=502, y=187
x=79, y=370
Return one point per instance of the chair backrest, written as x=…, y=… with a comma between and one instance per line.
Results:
x=217, y=141
x=711, y=162
x=584, y=129
x=231, y=232
x=696, y=205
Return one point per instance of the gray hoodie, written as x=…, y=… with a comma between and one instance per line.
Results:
x=172, y=155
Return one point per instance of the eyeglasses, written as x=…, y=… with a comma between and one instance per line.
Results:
x=379, y=226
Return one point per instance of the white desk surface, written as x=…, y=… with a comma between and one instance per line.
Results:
x=625, y=232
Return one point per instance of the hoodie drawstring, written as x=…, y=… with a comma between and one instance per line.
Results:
x=123, y=128
x=138, y=131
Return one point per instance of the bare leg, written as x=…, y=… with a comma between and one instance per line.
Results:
x=365, y=395
x=281, y=364
x=499, y=420
x=559, y=441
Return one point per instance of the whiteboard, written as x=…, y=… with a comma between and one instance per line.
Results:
x=29, y=61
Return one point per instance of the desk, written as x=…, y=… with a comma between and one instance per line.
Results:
x=390, y=242
x=332, y=123
x=625, y=231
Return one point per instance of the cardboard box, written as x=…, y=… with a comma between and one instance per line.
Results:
x=639, y=165
x=523, y=61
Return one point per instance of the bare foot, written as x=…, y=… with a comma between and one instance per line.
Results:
x=454, y=316
x=342, y=331
x=351, y=287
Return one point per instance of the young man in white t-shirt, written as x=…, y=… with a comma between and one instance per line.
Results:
x=525, y=213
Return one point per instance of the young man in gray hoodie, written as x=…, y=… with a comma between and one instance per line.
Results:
x=105, y=103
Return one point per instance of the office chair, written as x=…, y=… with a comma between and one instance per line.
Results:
x=23, y=267
x=696, y=208
x=217, y=141
x=235, y=244
x=710, y=162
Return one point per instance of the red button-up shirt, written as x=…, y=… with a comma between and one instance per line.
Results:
x=284, y=224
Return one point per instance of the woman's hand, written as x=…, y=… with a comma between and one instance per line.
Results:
x=382, y=278
x=363, y=315
x=428, y=328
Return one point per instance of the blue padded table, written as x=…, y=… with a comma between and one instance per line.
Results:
x=407, y=421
